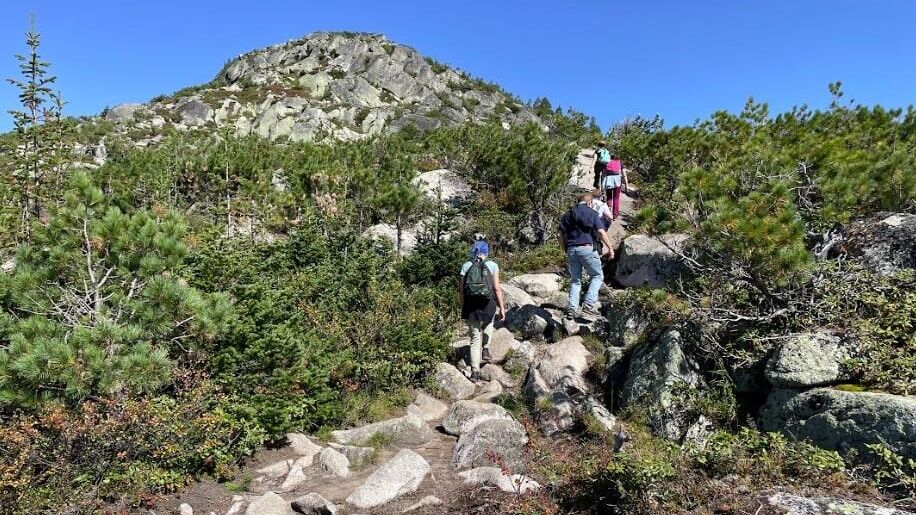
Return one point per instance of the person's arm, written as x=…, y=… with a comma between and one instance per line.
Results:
x=561, y=239
x=606, y=240
x=623, y=178
x=498, y=289
x=461, y=293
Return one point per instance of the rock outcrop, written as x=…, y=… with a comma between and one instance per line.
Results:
x=657, y=371
x=809, y=359
x=340, y=85
x=844, y=421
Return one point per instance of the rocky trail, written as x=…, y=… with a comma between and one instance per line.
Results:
x=458, y=443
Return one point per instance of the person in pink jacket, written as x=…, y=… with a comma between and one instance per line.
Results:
x=613, y=180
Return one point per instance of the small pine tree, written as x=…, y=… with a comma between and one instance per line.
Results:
x=94, y=305
x=394, y=195
x=538, y=166
x=42, y=134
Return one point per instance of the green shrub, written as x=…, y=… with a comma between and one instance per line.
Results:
x=95, y=305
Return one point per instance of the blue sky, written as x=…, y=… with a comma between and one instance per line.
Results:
x=682, y=59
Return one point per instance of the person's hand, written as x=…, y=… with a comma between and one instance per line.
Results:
x=605, y=251
x=502, y=314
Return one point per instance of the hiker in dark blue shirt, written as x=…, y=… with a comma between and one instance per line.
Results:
x=580, y=228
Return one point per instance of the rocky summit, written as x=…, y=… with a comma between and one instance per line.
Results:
x=345, y=86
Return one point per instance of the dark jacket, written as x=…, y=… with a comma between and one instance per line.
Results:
x=580, y=225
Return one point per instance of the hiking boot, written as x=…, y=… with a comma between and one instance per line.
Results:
x=485, y=356
x=475, y=376
x=571, y=313
x=591, y=310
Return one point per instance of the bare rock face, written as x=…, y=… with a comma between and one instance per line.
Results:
x=844, y=421
x=399, y=476
x=647, y=261
x=343, y=86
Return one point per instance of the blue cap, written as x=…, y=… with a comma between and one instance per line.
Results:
x=480, y=248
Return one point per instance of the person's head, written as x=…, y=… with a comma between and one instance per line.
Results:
x=614, y=157
x=585, y=197
x=598, y=194
x=480, y=249
x=602, y=144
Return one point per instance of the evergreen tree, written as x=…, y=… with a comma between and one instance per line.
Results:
x=393, y=195
x=42, y=143
x=95, y=305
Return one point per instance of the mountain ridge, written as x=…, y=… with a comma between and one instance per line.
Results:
x=338, y=85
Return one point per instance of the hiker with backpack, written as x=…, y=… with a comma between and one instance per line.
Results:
x=613, y=180
x=580, y=230
x=602, y=157
x=481, y=297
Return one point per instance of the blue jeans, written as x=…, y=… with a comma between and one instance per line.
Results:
x=578, y=258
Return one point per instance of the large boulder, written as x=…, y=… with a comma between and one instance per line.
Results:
x=531, y=321
x=463, y=416
x=650, y=261
x=303, y=446
x=334, y=461
x=538, y=285
x=791, y=504
x=515, y=297
x=564, y=364
x=444, y=186
x=453, y=382
x=427, y=407
x=313, y=504
x=389, y=233
x=495, y=441
x=399, y=476
x=194, y=112
x=269, y=504
x=410, y=429
x=123, y=113
x=884, y=242
x=657, y=371
x=809, y=359
x=501, y=343
x=844, y=421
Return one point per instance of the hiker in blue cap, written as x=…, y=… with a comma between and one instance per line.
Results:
x=481, y=296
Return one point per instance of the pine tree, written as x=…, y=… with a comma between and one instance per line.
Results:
x=42, y=133
x=94, y=305
x=393, y=195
